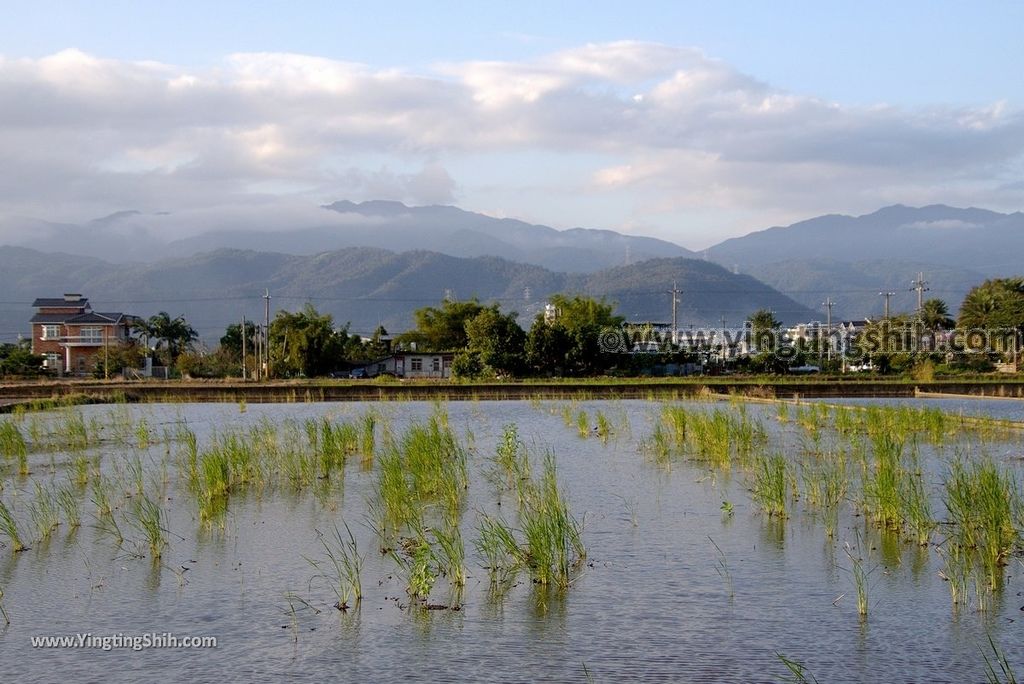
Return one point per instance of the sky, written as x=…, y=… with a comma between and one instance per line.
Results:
x=689, y=121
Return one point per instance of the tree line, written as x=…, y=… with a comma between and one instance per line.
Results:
x=565, y=340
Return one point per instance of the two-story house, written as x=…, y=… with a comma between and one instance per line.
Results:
x=69, y=335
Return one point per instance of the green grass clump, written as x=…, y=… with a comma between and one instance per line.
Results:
x=771, y=484
x=583, y=424
x=9, y=526
x=12, y=445
x=343, y=567
x=147, y=517
x=67, y=501
x=984, y=504
x=425, y=467
x=44, y=512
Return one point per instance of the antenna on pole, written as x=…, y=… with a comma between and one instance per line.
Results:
x=921, y=285
x=888, y=296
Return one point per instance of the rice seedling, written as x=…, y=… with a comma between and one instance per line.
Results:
x=660, y=445
x=12, y=443
x=782, y=412
x=956, y=572
x=68, y=504
x=3, y=611
x=771, y=484
x=860, y=575
x=72, y=432
x=882, y=488
x=142, y=434
x=1004, y=675
x=797, y=670
x=552, y=536
x=101, y=497
x=497, y=543
x=148, y=518
x=583, y=424
x=367, y=437
x=345, y=565
x=451, y=552
x=604, y=428
x=80, y=469
x=722, y=567
x=984, y=504
x=568, y=416
x=189, y=452
x=9, y=526
x=44, y=512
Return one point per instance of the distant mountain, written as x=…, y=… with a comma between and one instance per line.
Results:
x=852, y=258
x=369, y=286
x=453, y=231
x=129, y=236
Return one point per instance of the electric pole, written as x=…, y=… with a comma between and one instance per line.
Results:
x=887, y=296
x=266, y=330
x=675, y=292
x=921, y=286
x=244, y=378
x=828, y=304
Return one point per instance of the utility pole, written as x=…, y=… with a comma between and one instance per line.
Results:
x=921, y=286
x=675, y=292
x=244, y=378
x=258, y=353
x=828, y=304
x=266, y=330
x=887, y=296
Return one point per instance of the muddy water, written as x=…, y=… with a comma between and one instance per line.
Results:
x=652, y=603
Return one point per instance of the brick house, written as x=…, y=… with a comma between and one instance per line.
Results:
x=70, y=336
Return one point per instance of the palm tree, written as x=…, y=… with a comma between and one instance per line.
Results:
x=175, y=334
x=935, y=315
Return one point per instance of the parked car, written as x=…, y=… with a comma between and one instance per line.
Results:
x=358, y=374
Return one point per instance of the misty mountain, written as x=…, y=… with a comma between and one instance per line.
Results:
x=369, y=286
x=853, y=258
x=130, y=236
x=395, y=226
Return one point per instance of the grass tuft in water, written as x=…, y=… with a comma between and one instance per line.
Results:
x=344, y=566
x=9, y=526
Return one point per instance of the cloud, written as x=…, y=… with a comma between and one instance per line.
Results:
x=666, y=130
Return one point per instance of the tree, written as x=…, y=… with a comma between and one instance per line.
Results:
x=18, y=359
x=546, y=347
x=571, y=342
x=996, y=303
x=172, y=334
x=498, y=341
x=305, y=343
x=444, y=328
x=231, y=342
x=764, y=330
x=935, y=315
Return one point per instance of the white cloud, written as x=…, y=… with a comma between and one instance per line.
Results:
x=83, y=136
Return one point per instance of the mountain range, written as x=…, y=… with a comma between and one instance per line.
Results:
x=367, y=286
x=850, y=259
x=131, y=236
x=376, y=262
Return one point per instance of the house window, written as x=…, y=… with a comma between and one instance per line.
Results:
x=416, y=365
x=92, y=334
x=52, y=361
x=435, y=365
x=51, y=332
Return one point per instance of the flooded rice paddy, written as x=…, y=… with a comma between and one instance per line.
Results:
x=516, y=541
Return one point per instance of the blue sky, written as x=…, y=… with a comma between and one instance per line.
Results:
x=765, y=113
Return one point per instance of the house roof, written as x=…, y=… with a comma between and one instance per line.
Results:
x=55, y=302
x=102, y=318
